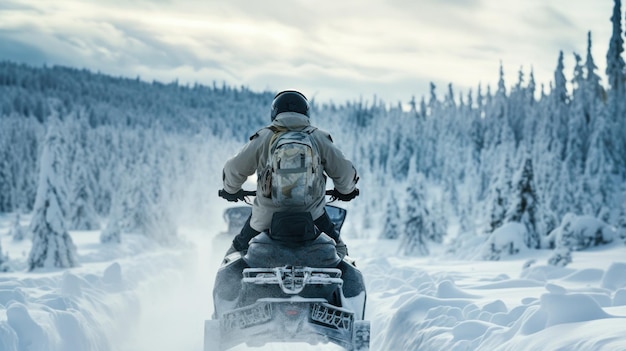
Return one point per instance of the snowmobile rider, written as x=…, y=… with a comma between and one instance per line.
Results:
x=290, y=110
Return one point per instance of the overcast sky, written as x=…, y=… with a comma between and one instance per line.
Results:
x=332, y=50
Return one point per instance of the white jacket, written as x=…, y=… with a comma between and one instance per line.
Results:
x=253, y=158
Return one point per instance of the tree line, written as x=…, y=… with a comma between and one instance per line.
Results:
x=125, y=155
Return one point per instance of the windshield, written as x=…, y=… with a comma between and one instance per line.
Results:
x=337, y=215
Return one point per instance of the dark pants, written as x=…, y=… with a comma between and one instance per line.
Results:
x=323, y=223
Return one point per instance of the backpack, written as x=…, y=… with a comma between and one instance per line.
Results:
x=294, y=175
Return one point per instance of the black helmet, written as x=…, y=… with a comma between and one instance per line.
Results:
x=290, y=101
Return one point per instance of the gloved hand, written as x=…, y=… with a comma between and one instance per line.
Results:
x=238, y=245
x=232, y=197
x=344, y=197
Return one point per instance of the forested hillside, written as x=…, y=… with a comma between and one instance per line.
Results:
x=137, y=156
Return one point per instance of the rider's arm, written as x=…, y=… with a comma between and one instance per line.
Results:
x=244, y=164
x=336, y=165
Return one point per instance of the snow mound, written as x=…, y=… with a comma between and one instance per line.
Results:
x=507, y=240
x=94, y=307
x=470, y=330
x=620, y=298
x=580, y=232
x=570, y=308
x=448, y=290
x=545, y=273
x=429, y=311
x=615, y=277
x=585, y=275
x=70, y=316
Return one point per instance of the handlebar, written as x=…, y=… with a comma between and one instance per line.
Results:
x=241, y=195
x=223, y=194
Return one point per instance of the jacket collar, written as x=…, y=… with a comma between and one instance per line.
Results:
x=291, y=120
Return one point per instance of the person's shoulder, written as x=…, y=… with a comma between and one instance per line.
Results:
x=261, y=133
x=323, y=134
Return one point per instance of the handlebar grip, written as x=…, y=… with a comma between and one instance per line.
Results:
x=240, y=195
x=336, y=195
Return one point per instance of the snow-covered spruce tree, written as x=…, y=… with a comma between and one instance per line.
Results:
x=497, y=211
x=507, y=240
x=621, y=223
x=17, y=231
x=400, y=156
x=519, y=107
x=5, y=179
x=142, y=206
x=437, y=222
x=567, y=190
x=594, y=90
x=367, y=217
x=82, y=215
x=105, y=167
x=599, y=180
x=581, y=232
x=499, y=193
x=112, y=232
x=391, y=228
x=577, y=142
x=616, y=76
x=3, y=260
x=496, y=111
x=561, y=257
x=160, y=224
x=416, y=229
x=19, y=154
x=614, y=60
x=568, y=186
x=132, y=203
x=523, y=208
x=560, y=108
x=52, y=244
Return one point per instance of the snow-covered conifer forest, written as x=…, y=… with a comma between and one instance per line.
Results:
x=104, y=180
x=139, y=155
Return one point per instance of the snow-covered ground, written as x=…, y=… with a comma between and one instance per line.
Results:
x=426, y=304
x=136, y=296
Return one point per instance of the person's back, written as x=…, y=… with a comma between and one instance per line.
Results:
x=290, y=112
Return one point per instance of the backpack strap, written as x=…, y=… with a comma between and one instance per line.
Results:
x=309, y=129
x=273, y=128
x=276, y=130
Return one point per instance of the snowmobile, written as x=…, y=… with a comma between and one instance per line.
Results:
x=290, y=286
x=235, y=218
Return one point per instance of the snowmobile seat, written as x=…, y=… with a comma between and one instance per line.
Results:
x=293, y=240
x=267, y=252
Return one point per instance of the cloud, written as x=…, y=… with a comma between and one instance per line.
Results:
x=346, y=48
x=18, y=51
x=8, y=5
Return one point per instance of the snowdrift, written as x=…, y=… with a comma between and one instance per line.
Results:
x=421, y=304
